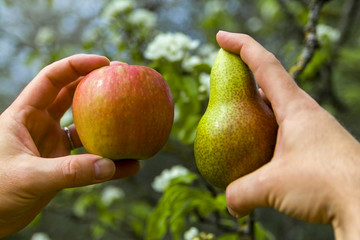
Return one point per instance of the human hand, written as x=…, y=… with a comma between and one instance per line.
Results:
x=314, y=174
x=34, y=151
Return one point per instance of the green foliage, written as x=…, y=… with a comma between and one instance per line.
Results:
x=178, y=203
x=188, y=97
x=183, y=204
x=229, y=236
x=39, y=32
x=261, y=233
x=106, y=208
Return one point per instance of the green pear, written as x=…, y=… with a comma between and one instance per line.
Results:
x=237, y=133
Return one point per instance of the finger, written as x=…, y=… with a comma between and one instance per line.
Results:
x=63, y=101
x=264, y=98
x=74, y=137
x=249, y=192
x=115, y=63
x=274, y=80
x=42, y=91
x=125, y=164
x=79, y=170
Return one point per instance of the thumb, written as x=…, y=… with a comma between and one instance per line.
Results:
x=79, y=170
x=251, y=191
x=43, y=175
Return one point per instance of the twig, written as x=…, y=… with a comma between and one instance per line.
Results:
x=17, y=39
x=214, y=222
x=311, y=41
x=328, y=93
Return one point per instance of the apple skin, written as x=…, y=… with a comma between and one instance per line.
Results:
x=123, y=111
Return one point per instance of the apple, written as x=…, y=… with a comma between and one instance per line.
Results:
x=123, y=111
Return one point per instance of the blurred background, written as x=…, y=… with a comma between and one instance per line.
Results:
x=168, y=199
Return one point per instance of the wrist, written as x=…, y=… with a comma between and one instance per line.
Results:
x=347, y=226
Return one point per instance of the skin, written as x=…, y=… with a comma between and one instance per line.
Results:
x=314, y=174
x=34, y=151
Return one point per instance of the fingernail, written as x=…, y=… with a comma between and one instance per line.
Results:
x=222, y=31
x=104, y=168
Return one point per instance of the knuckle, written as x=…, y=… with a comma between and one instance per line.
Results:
x=271, y=58
x=70, y=172
x=246, y=37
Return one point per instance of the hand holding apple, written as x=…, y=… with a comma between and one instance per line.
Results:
x=34, y=150
x=123, y=111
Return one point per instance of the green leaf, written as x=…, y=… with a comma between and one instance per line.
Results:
x=81, y=205
x=178, y=202
x=36, y=221
x=203, y=67
x=261, y=233
x=98, y=231
x=34, y=55
x=229, y=236
x=190, y=86
x=185, y=179
x=188, y=127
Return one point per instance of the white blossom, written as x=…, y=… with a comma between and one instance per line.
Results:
x=208, y=53
x=191, y=233
x=40, y=236
x=171, y=46
x=325, y=32
x=143, y=17
x=207, y=49
x=117, y=7
x=110, y=194
x=162, y=181
x=210, y=58
x=189, y=63
x=204, y=80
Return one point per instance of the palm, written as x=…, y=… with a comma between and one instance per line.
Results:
x=50, y=140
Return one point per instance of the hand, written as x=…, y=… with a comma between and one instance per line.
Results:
x=34, y=151
x=314, y=174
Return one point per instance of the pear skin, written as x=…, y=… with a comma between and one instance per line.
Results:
x=237, y=133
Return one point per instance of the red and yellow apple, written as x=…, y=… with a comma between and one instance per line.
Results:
x=123, y=111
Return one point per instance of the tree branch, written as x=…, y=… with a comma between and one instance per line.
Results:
x=303, y=2
x=311, y=41
x=327, y=92
x=17, y=39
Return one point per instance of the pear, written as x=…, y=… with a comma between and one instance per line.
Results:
x=237, y=133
